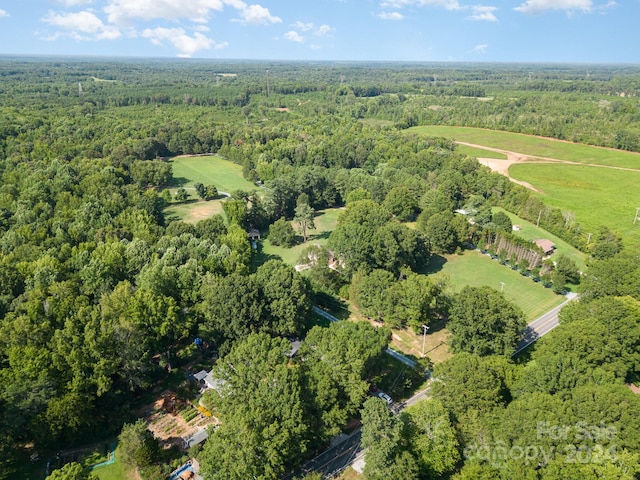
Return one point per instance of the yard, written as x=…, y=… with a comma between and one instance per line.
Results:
x=475, y=269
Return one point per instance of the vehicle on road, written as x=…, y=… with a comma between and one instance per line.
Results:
x=385, y=397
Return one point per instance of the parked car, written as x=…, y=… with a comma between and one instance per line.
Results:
x=385, y=397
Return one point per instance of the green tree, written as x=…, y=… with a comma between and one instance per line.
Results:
x=281, y=233
x=567, y=267
x=72, y=471
x=484, y=322
x=432, y=438
x=304, y=215
x=210, y=192
x=137, y=447
x=502, y=221
x=181, y=195
x=200, y=189
x=440, y=232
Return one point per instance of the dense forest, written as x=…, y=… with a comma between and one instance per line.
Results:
x=102, y=296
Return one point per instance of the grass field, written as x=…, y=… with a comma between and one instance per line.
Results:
x=480, y=152
x=598, y=196
x=536, y=146
x=325, y=221
x=210, y=170
x=193, y=211
x=474, y=269
x=529, y=231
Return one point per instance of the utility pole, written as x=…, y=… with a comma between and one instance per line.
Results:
x=589, y=237
x=502, y=286
x=425, y=328
x=539, y=215
x=635, y=219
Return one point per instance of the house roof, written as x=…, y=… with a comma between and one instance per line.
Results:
x=201, y=375
x=198, y=437
x=545, y=245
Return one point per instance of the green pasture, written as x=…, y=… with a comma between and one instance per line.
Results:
x=480, y=152
x=474, y=269
x=536, y=146
x=597, y=196
x=325, y=221
x=210, y=170
x=529, y=231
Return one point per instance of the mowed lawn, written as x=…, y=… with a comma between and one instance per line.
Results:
x=536, y=146
x=210, y=170
x=325, y=221
x=475, y=270
x=529, y=231
x=597, y=196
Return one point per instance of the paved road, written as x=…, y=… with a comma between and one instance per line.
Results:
x=542, y=325
x=336, y=459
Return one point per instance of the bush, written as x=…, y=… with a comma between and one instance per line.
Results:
x=281, y=233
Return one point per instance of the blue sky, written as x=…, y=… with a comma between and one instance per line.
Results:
x=592, y=31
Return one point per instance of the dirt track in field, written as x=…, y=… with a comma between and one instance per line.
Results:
x=502, y=166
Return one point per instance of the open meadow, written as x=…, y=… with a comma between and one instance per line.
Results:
x=210, y=170
x=474, y=269
x=534, y=146
x=597, y=196
x=480, y=152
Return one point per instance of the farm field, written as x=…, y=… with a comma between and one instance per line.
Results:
x=480, y=152
x=210, y=170
x=535, y=146
x=325, y=221
x=529, y=231
x=474, y=269
x=597, y=196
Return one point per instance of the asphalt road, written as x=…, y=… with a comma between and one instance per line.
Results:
x=542, y=325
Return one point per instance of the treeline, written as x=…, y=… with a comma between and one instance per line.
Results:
x=564, y=411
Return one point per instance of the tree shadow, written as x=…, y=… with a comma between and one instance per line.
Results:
x=436, y=264
x=179, y=181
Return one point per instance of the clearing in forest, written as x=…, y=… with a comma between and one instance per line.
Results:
x=209, y=170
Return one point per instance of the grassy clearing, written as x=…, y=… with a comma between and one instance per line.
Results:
x=529, y=231
x=536, y=146
x=210, y=170
x=598, y=196
x=115, y=471
x=193, y=211
x=480, y=152
x=325, y=221
x=474, y=269
x=350, y=474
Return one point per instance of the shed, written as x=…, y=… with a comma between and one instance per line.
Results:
x=547, y=246
x=195, y=439
x=253, y=234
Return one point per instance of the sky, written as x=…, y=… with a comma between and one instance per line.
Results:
x=576, y=31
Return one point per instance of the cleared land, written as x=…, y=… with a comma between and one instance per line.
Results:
x=598, y=196
x=474, y=269
x=529, y=231
x=535, y=146
x=325, y=221
x=480, y=152
x=193, y=211
x=210, y=170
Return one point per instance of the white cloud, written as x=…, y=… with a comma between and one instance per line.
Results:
x=532, y=7
x=480, y=48
x=123, y=11
x=305, y=27
x=185, y=44
x=3, y=13
x=323, y=30
x=74, y=3
x=201, y=28
x=390, y=16
x=483, y=13
x=447, y=4
x=257, y=15
x=293, y=36
x=81, y=26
